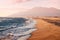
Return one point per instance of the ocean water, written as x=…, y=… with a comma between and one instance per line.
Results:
x=20, y=28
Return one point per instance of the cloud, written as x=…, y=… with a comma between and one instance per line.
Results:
x=18, y=1
x=3, y=2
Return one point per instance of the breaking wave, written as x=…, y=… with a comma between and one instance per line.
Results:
x=20, y=28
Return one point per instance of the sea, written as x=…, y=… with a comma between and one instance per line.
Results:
x=18, y=28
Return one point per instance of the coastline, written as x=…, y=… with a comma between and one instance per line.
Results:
x=45, y=31
x=17, y=32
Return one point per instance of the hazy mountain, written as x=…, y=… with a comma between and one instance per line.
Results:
x=39, y=11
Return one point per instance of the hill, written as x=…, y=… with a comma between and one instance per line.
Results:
x=38, y=11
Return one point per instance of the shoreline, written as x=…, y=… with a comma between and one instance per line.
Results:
x=45, y=31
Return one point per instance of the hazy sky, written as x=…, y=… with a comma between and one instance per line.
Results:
x=8, y=7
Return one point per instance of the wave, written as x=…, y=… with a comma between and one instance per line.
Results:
x=20, y=28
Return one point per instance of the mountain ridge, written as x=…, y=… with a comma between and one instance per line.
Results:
x=39, y=11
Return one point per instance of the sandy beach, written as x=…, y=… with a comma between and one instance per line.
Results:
x=45, y=31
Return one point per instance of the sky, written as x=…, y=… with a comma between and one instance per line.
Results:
x=8, y=7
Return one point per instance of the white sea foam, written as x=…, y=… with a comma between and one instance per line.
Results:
x=21, y=33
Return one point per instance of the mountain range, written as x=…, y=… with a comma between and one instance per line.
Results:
x=38, y=11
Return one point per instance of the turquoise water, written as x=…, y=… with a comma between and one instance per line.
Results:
x=16, y=26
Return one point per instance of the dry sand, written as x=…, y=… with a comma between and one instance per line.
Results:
x=45, y=31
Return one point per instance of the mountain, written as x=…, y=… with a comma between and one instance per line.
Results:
x=39, y=11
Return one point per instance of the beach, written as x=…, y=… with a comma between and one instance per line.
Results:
x=45, y=31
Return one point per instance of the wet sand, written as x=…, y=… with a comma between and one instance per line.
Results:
x=45, y=31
